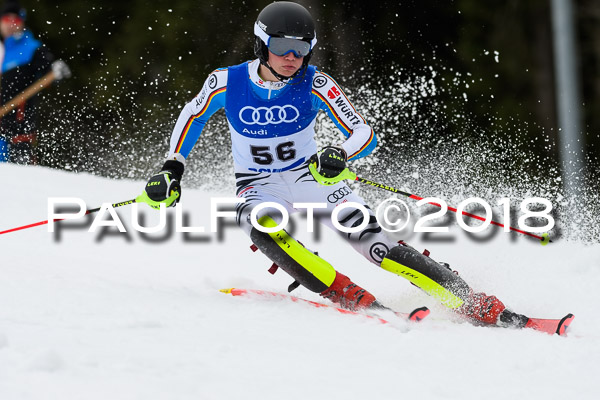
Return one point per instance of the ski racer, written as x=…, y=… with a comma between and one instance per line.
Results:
x=271, y=104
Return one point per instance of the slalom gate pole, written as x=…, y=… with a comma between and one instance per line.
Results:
x=544, y=238
x=59, y=71
x=30, y=91
x=93, y=210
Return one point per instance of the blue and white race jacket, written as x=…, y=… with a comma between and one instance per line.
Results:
x=271, y=123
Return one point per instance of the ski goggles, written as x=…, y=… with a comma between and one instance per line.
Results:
x=281, y=46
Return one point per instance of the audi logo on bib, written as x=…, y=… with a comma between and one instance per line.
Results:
x=338, y=194
x=269, y=115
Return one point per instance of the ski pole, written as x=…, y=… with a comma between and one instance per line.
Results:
x=93, y=210
x=347, y=174
x=544, y=238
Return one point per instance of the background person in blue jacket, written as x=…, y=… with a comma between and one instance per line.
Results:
x=26, y=60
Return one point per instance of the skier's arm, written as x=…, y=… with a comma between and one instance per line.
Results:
x=164, y=187
x=328, y=95
x=196, y=113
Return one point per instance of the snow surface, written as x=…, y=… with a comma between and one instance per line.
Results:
x=116, y=317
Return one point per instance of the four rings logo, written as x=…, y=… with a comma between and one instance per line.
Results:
x=338, y=194
x=269, y=115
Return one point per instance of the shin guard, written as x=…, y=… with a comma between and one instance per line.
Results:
x=307, y=268
x=443, y=284
x=425, y=273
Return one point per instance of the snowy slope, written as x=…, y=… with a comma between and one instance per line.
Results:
x=117, y=317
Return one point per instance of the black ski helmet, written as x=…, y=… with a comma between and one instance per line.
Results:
x=283, y=19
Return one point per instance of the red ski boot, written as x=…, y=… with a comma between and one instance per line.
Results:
x=482, y=308
x=348, y=294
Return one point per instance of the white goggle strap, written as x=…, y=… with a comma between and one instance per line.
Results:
x=261, y=34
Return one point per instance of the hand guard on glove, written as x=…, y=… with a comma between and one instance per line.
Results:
x=164, y=187
x=329, y=162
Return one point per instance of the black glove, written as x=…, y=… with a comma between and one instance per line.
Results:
x=330, y=161
x=162, y=187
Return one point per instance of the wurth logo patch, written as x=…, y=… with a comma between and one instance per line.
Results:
x=333, y=93
x=346, y=111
